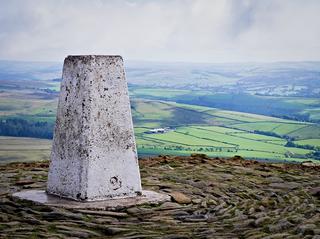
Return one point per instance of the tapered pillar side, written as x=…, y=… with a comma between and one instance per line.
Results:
x=94, y=152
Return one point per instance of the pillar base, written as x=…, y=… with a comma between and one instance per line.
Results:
x=41, y=197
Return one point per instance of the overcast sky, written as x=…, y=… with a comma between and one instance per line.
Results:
x=161, y=30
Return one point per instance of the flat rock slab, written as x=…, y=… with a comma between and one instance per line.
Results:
x=41, y=197
x=241, y=205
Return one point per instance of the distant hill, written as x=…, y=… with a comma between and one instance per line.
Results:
x=263, y=111
x=272, y=79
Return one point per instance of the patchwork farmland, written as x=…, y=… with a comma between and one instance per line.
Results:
x=220, y=133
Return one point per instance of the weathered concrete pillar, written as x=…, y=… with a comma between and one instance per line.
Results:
x=94, y=152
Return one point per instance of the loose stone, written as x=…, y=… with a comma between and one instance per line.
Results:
x=180, y=198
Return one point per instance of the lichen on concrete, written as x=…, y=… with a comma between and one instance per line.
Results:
x=94, y=152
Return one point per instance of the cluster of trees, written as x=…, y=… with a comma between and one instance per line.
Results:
x=306, y=146
x=26, y=128
x=315, y=154
x=297, y=117
x=267, y=133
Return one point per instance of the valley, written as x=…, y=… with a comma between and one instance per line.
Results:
x=218, y=120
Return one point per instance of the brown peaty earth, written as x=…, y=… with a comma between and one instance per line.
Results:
x=211, y=198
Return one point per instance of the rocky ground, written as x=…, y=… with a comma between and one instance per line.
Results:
x=211, y=198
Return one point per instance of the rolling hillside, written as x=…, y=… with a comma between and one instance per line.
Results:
x=210, y=109
x=219, y=133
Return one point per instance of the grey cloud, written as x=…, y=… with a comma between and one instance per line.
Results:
x=165, y=30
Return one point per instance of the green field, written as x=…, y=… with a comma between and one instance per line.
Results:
x=23, y=149
x=313, y=142
x=295, y=108
x=219, y=133
x=194, y=128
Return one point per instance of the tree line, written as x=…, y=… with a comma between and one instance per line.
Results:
x=26, y=128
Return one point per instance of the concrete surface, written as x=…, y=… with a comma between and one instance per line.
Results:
x=94, y=152
x=41, y=197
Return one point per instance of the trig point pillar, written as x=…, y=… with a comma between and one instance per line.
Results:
x=94, y=152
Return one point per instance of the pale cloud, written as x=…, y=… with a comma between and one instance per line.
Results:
x=164, y=30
